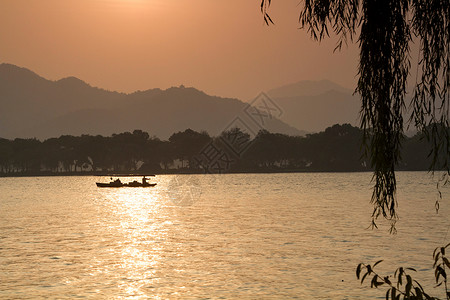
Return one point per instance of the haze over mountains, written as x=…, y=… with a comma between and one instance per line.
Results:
x=315, y=105
x=32, y=106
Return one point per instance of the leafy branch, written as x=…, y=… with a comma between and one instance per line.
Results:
x=384, y=30
x=441, y=263
x=402, y=285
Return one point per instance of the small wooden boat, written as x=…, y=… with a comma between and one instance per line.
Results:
x=139, y=184
x=111, y=184
x=130, y=184
x=117, y=184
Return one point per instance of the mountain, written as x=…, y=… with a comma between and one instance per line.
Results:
x=32, y=106
x=316, y=105
x=307, y=88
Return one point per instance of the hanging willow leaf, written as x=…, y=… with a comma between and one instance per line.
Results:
x=386, y=29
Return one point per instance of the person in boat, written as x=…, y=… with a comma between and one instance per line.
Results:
x=144, y=180
x=116, y=181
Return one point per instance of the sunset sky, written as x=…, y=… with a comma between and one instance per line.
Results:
x=220, y=47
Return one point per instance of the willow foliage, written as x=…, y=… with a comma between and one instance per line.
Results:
x=385, y=30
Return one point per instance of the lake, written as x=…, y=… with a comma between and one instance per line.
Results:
x=251, y=236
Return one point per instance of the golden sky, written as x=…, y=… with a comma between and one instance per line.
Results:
x=220, y=47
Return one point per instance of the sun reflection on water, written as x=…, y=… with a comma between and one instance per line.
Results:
x=136, y=211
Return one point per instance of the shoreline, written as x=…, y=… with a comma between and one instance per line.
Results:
x=184, y=172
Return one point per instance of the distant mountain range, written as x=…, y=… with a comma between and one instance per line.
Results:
x=32, y=106
x=316, y=105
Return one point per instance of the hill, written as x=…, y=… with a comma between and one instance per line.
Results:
x=33, y=106
x=316, y=105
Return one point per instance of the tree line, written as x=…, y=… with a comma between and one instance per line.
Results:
x=336, y=149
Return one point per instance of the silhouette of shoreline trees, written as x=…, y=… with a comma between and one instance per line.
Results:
x=337, y=149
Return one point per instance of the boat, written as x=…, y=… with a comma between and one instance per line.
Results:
x=117, y=184
x=111, y=184
x=139, y=184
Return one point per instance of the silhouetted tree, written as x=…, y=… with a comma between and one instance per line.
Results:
x=6, y=156
x=153, y=155
x=189, y=143
x=98, y=151
x=127, y=149
x=51, y=154
x=335, y=149
x=27, y=155
x=69, y=152
x=270, y=149
x=386, y=28
x=166, y=153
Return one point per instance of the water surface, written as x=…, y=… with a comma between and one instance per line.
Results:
x=204, y=236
